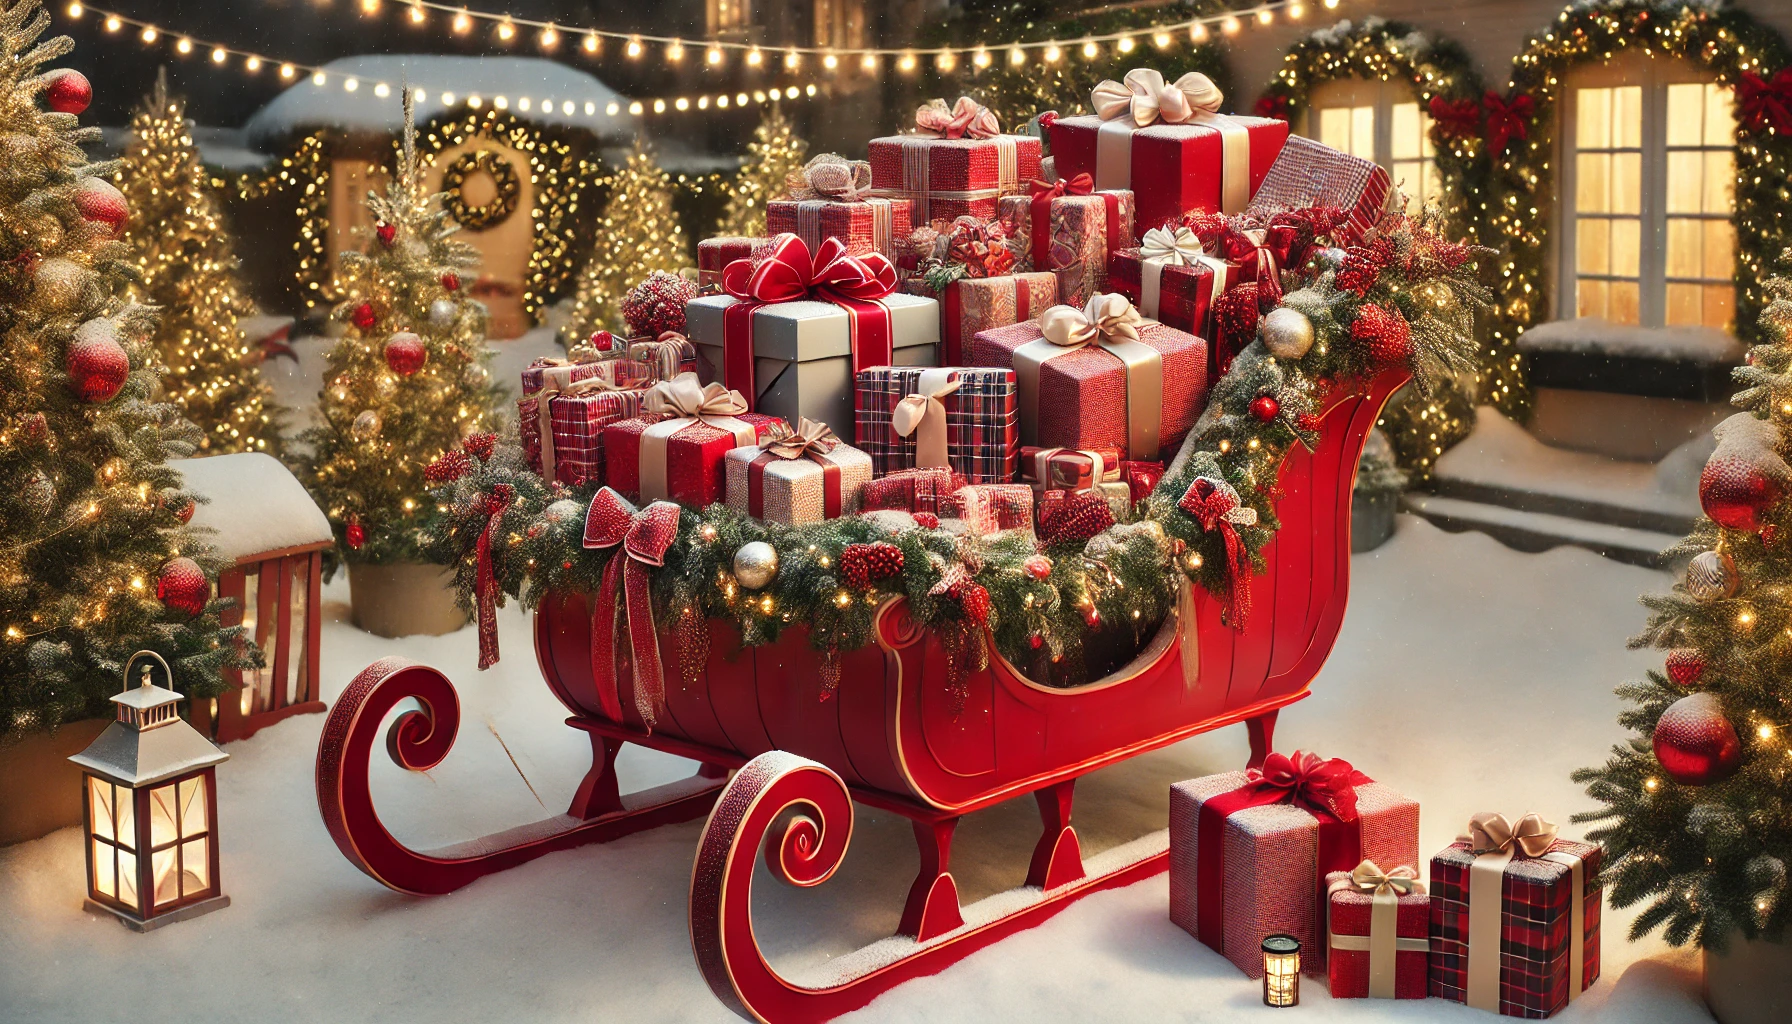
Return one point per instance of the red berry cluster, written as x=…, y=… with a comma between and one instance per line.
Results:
x=480, y=445
x=656, y=305
x=450, y=466
x=1385, y=333
x=974, y=599
x=865, y=564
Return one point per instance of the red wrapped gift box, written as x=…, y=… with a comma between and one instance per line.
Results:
x=981, y=420
x=665, y=357
x=913, y=490
x=576, y=420
x=1249, y=851
x=866, y=225
x=559, y=374
x=1141, y=478
x=799, y=478
x=715, y=253
x=972, y=304
x=1070, y=233
x=953, y=166
x=1173, y=280
x=1307, y=173
x=1071, y=469
x=676, y=450
x=1139, y=397
x=1377, y=933
x=1537, y=948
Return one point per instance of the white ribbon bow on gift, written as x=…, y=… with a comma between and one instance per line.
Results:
x=1106, y=316
x=1108, y=322
x=1164, y=247
x=1148, y=98
x=924, y=415
x=1143, y=99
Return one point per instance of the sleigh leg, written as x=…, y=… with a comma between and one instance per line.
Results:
x=932, y=907
x=597, y=793
x=1263, y=732
x=1058, y=858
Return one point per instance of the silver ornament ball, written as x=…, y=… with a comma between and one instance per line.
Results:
x=1287, y=333
x=1330, y=259
x=442, y=312
x=1711, y=576
x=366, y=426
x=756, y=564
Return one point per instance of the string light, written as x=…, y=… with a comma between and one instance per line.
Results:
x=549, y=38
x=713, y=55
x=417, y=14
x=675, y=51
x=591, y=42
x=462, y=23
x=634, y=47
x=506, y=30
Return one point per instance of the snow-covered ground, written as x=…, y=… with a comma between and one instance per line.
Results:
x=1468, y=675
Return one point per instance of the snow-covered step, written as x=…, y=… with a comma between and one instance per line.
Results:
x=1540, y=531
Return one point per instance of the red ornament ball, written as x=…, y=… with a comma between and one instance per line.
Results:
x=865, y=564
x=1734, y=490
x=1686, y=665
x=656, y=305
x=1036, y=641
x=1385, y=335
x=406, y=353
x=68, y=91
x=603, y=341
x=1038, y=567
x=355, y=533
x=1695, y=743
x=387, y=233
x=451, y=281
x=99, y=202
x=363, y=316
x=184, y=508
x=183, y=587
x=1265, y=407
x=927, y=520
x=974, y=599
x=97, y=363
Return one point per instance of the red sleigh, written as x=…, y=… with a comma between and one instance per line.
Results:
x=887, y=739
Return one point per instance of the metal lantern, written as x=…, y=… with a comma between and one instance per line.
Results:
x=1281, y=971
x=150, y=808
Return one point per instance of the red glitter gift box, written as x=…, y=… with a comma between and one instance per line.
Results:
x=972, y=304
x=947, y=178
x=1378, y=928
x=867, y=225
x=1307, y=173
x=913, y=490
x=676, y=450
x=715, y=253
x=1070, y=234
x=1540, y=949
x=1178, y=294
x=982, y=419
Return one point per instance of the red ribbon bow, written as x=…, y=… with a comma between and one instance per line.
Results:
x=1077, y=185
x=1507, y=120
x=1455, y=119
x=1320, y=785
x=1763, y=103
x=1216, y=506
x=644, y=535
x=485, y=577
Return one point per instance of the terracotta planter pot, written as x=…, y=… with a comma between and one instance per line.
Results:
x=404, y=599
x=1751, y=983
x=40, y=791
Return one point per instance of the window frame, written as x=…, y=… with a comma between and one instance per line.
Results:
x=1382, y=95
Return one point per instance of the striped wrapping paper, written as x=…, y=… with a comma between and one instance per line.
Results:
x=1307, y=173
x=867, y=226
x=982, y=422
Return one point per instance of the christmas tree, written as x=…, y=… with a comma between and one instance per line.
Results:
x=97, y=563
x=1698, y=814
x=638, y=234
x=186, y=262
x=774, y=153
x=408, y=379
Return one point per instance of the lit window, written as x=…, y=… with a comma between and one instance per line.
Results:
x=1379, y=121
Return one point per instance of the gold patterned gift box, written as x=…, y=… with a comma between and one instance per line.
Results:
x=797, y=477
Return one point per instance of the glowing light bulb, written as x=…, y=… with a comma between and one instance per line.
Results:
x=462, y=24
x=1017, y=56
x=1052, y=53
x=501, y=102
x=868, y=62
x=549, y=38
x=703, y=103
x=252, y=64
x=634, y=48
x=1296, y=12
x=219, y=54
x=906, y=62
x=675, y=51
x=1125, y=45
x=810, y=90
x=370, y=6
x=317, y=78
x=1230, y=26
x=659, y=106
x=1651, y=784
x=382, y=90
x=681, y=103
x=1331, y=5
x=980, y=58
x=722, y=102
x=184, y=47
x=113, y=23
x=1765, y=731
x=447, y=99
x=754, y=57
x=1198, y=32
x=74, y=10
x=713, y=55
x=506, y=31
x=287, y=71
x=792, y=60
x=830, y=62
x=591, y=42
x=419, y=95
x=417, y=14
x=740, y=99
x=1161, y=40
x=1090, y=50
x=612, y=110
x=1265, y=16
x=946, y=61
x=148, y=34
x=350, y=85
x=475, y=102
x=790, y=93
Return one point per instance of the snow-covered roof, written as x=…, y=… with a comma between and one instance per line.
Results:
x=546, y=87
x=256, y=505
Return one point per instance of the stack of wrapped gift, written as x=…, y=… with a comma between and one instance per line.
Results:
x=969, y=267
x=1100, y=471
x=1249, y=851
x=1514, y=917
x=831, y=198
x=675, y=450
x=956, y=162
x=565, y=408
x=1308, y=174
x=797, y=476
x=1377, y=928
x=715, y=253
x=1169, y=145
x=1101, y=377
x=1069, y=228
x=794, y=327
x=957, y=417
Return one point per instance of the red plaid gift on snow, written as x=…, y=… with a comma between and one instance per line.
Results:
x=976, y=415
x=1310, y=174
x=956, y=163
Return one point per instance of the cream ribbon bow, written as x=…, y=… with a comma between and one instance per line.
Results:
x=1164, y=247
x=1107, y=316
x=1148, y=98
x=1110, y=323
x=1369, y=878
x=966, y=118
x=1495, y=841
x=1490, y=833
x=1383, y=943
x=924, y=415
x=1177, y=248
x=809, y=438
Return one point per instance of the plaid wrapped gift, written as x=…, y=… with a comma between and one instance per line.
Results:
x=865, y=225
x=991, y=508
x=551, y=371
x=954, y=165
x=1173, y=280
x=1377, y=933
x=1537, y=947
x=715, y=253
x=1074, y=228
x=575, y=416
x=1248, y=850
x=981, y=419
x=1201, y=160
x=1307, y=173
x=664, y=357
x=675, y=450
x=969, y=305
x=913, y=490
x=1100, y=390
x=797, y=478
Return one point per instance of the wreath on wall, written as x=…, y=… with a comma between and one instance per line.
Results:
x=489, y=214
x=1746, y=56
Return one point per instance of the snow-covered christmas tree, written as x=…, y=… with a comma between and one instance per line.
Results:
x=638, y=234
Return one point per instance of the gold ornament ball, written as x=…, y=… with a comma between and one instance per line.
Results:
x=367, y=425
x=1711, y=576
x=1287, y=333
x=756, y=564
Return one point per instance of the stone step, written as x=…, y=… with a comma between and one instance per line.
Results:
x=1540, y=531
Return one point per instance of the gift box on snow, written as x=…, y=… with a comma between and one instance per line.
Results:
x=1308, y=174
x=914, y=490
x=831, y=198
x=1377, y=933
x=675, y=450
x=1069, y=229
x=793, y=328
x=1249, y=850
x=1101, y=377
x=972, y=304
x=715, y=253
x=958, y=417
x=1169, y=144
x=797, y=477
x=957, y=162
x=1514, y=917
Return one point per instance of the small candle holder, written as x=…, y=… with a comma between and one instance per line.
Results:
x=1281, y=970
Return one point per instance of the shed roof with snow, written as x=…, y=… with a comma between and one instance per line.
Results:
x=255, y=506
x=556, y=96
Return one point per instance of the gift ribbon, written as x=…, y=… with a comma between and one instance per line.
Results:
x=544, y=416
x=682, y=402
x=1384, y=942
x=831, y=176
x=485, y=577
x=1142, y=99
x=1495, y=842
x=1326, y=789
x=1045, y=460
x=810, y=440
x=789, y=273
x=643, y=536
x=1110, y=323
x=1216, y=506
x=1162, y=247
x=916, y=185
x=923, y=414
x=809, y=227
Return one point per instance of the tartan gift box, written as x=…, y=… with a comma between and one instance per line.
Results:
x=1307, y=173
x=575, y=419
x=956, y=163
x=797, y=478
x=664, y=357
x=1069, y=233
x=991, y=508
x=1100, y=390
x=972, y=304
x=1172, y=279
x=550, y=371
x=913, y=490
x=865, y=225
x=675, y=450
x=1249, y=850
x=1515, y=930
x=715, y=253
x=1377, y=933
x=975, y=427
x=1204, y=161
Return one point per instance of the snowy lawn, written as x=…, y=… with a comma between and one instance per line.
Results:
x=1469, y=676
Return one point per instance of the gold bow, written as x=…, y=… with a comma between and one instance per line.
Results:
x=924, y=411
x=1178, y=248
x=809, y=438
x=1368, y=877
x=1492, y=833
x=831, y=176
x=684, y=398
x=1107, y=316
x=1148, y=98
x=544, y=418
x=1383, y=943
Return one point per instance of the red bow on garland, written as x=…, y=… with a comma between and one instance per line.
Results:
x=485, y=577
x=1273, y=105
x=1764, y=103
x=644, y=535
x=1310, y=781
x=1216, y=506
x=1455, y=119
x=1507, y=120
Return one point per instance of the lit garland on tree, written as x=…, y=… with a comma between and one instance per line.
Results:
x=1696, y=816
x=96, y=563
x=305, y=171
x=638, y=234
x=187, y=266
x=775, y=151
